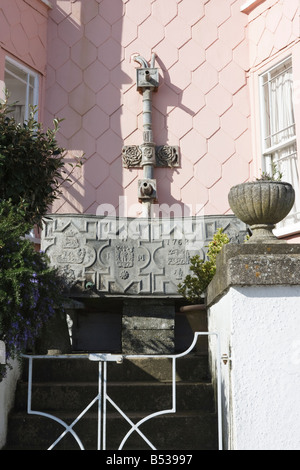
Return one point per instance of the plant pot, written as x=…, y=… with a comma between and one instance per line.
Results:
x=262, y=205
x=196, y=316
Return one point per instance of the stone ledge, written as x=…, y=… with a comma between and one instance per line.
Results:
x=255, y=265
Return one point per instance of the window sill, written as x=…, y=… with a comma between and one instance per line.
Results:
x=287, y=231
x=32, y=237
x=47, y=3
x=249, y=5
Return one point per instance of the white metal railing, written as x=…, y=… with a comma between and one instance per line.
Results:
x=102, y=397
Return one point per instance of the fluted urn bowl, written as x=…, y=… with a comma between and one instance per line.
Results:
x=262, y=205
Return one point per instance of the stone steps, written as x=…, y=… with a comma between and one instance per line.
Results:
x=63, y=388
x=184, y=430
x=147, y=396
x=189, y=368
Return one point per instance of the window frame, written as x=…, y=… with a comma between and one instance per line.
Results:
x=250, y=5
x=29, y=74
x=36, y=89
x=267, y=153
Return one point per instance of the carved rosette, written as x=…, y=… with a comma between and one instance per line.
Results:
x=166, y=156
x=131, y=156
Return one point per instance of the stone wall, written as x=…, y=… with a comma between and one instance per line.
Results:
x=7, y=394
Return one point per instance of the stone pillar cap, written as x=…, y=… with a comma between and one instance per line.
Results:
x=254, y=265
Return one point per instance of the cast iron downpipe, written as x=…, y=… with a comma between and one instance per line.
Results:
x=147, y=82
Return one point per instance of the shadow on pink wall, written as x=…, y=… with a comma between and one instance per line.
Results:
x=168, y=96
x=88, y=80
x=84, y=82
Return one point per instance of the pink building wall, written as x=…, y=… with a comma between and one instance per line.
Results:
x=23, y=36
x=210, y=54
x=202, y=103
x=274, y=32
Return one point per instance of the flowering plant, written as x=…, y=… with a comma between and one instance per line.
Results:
x=29, y=289
x=194, y=286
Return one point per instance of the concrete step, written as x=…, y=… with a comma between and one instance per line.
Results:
x=133, y=396
x=190, y=368
x=183, y=430
x=65, y=387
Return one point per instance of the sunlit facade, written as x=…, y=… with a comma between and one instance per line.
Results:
x=228, y=95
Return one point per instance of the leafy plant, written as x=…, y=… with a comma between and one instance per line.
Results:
x=32, y=168
x=194, y=285
x=32, y=171
x=29, y=290
x=275, y=174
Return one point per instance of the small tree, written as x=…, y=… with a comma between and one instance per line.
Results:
x=194, y=285
x=32, y=168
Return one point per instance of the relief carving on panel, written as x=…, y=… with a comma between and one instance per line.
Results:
x=124, y=256
x=69, y=253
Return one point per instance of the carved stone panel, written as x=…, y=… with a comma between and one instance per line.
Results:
x=119, y=256
x=166, y=156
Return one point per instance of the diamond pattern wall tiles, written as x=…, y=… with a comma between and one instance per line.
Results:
x=273, y=27
x=23, y=32
x=204, y=49
x=193, y=95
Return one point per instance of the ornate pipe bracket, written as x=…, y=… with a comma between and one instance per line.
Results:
x=166, y=156
x=148, y=155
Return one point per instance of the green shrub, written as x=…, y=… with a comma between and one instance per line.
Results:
x=29, y=290
x=32, y=167
x=194, y=285
x=32, y=171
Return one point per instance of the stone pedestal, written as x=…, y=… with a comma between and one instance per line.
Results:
x=254, y=306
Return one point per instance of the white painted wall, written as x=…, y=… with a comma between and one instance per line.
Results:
x=259, y=328
x=7, y=396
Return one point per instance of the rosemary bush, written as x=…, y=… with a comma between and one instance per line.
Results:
x=29, y=290
x=194, y=285
x=32, y=171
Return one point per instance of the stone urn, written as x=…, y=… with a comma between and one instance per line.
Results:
x=262, y=205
